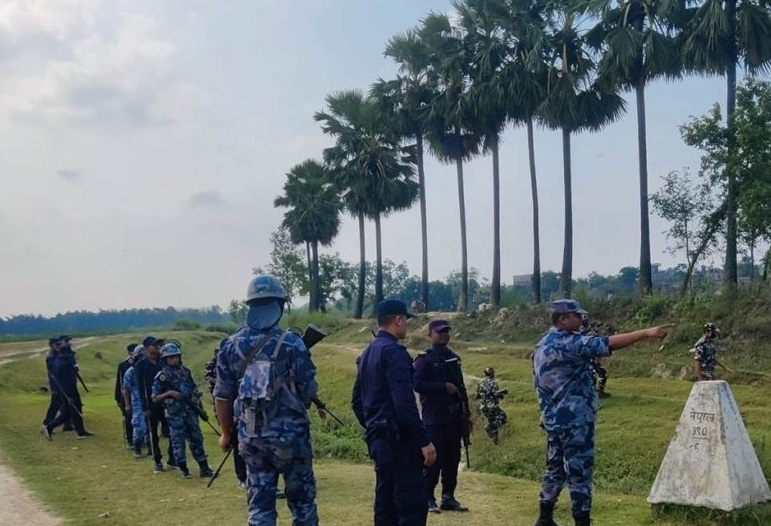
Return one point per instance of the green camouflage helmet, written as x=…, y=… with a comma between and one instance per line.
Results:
x=265, y=286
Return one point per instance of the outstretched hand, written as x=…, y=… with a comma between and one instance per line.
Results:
x=660, y=331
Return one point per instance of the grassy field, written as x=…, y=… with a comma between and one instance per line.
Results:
x=81, y=480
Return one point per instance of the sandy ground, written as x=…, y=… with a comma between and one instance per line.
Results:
x=18, y=505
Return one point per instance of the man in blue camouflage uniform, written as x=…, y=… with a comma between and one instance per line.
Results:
x=274, y=437
x=123, y=366
x=384, y=404
x=563, y=383
x=132, y=404
x=439, y=382
x=490, y=396
x=705, y=354
x=175, y=388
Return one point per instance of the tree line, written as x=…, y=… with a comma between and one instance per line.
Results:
x=104, y=321
x=462, y=80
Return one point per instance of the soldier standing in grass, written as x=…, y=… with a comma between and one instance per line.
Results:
x=132, y=404
x=384, y=404
x=437, y=379
x=119, y=398
x=705, y=353
x=490, y=397
x=563, y=383
x=265, y=381
x=175, y=388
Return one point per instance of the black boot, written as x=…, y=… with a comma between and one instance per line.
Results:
x=546, y=515
x=583, y=518
x=206, y=471
x=183, y=468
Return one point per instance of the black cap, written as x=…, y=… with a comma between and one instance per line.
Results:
x=65, y=338
x=52, y=341
x=150, y=340
x=130, y=347
x=393, y=308
x=438, y=325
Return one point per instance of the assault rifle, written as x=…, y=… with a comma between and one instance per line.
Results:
x=311, y=336
x=456, y=377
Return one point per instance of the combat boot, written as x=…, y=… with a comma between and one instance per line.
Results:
x=546, y=515
x=185, y=472
x=583, y=518
x=449, y=503
x=206, y=471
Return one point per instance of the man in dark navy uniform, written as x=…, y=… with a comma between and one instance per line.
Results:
x=384, y=404
x=437, y=379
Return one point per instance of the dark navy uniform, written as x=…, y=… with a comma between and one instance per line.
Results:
x=122, y=368
x=384, y=404
x=442, y=414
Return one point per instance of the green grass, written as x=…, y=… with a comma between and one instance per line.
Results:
x=80, y=480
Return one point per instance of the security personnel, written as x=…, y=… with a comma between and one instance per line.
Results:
x=490, y=396
x=273, y=432
x=132, y=404
x=122, y=368
x=437, y=374
x=175, y=388
x=563, y=383
x=384, y=404
x=705, y=354
x=62, y=370
x=53, y=386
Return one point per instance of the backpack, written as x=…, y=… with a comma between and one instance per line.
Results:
x=266, y=383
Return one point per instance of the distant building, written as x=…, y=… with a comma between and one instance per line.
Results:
x=522, y=280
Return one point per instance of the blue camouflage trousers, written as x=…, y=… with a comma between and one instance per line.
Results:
x=185, y=427
x=139, y=425
x=265, y=460
x=570, y=458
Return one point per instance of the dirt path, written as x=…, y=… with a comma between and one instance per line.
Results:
x=18, y=505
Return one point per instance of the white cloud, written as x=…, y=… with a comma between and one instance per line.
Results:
x=75, y=62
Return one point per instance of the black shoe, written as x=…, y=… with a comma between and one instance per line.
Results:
x=583, y=518
x=68, y=428
x=450, y=504
x=84, y=434
x=432, y=507
x=545, y=517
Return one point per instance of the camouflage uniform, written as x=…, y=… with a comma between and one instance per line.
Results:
x=138, y=421
x=281, y=444
x=706, y=355
x=563, y=382
x=210, y=374
x=182, y=418
x=489, y=396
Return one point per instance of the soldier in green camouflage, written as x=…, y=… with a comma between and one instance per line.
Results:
x=489, y=396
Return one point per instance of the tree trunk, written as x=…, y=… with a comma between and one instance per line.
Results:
x=378, y=266
x=463, y=296
x=536, y=228
x=646, y=279
x=359, y=307
x=566, y=276
x=315, y=283
x=730, y=270
x=311, y=288
x=423, y=224
x=495, y=285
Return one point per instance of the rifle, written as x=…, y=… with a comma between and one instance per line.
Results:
x=77, y=373
x=321, y=405
x=203, y=415
x=67, y=398
x=224, y=459
x=311, y=336
x=456, y=377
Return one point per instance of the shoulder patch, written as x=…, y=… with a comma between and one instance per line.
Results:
x=161, y=377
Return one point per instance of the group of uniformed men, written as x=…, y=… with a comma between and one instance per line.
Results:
x=263, y=381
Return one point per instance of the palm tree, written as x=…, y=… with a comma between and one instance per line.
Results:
x=373, y=171
x=403, y=98
x=639, y=41
x=576, y=101
x=313, y=217
x=508, y=39
x=721, y=35
x=450, y=116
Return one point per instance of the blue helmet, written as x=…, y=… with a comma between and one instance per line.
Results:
x=170, y=349
x=265, y=286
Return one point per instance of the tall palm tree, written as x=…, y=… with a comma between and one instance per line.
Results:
x=450, y=116
x=508, y=39
x=313, y=215
x=576, y=101
x=374, y=173
x=639, y=43
x=403, y=98
x=721, y=35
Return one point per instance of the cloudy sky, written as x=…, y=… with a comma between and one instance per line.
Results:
x=142, y=143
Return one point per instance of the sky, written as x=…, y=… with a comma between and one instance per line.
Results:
x=142, y=143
